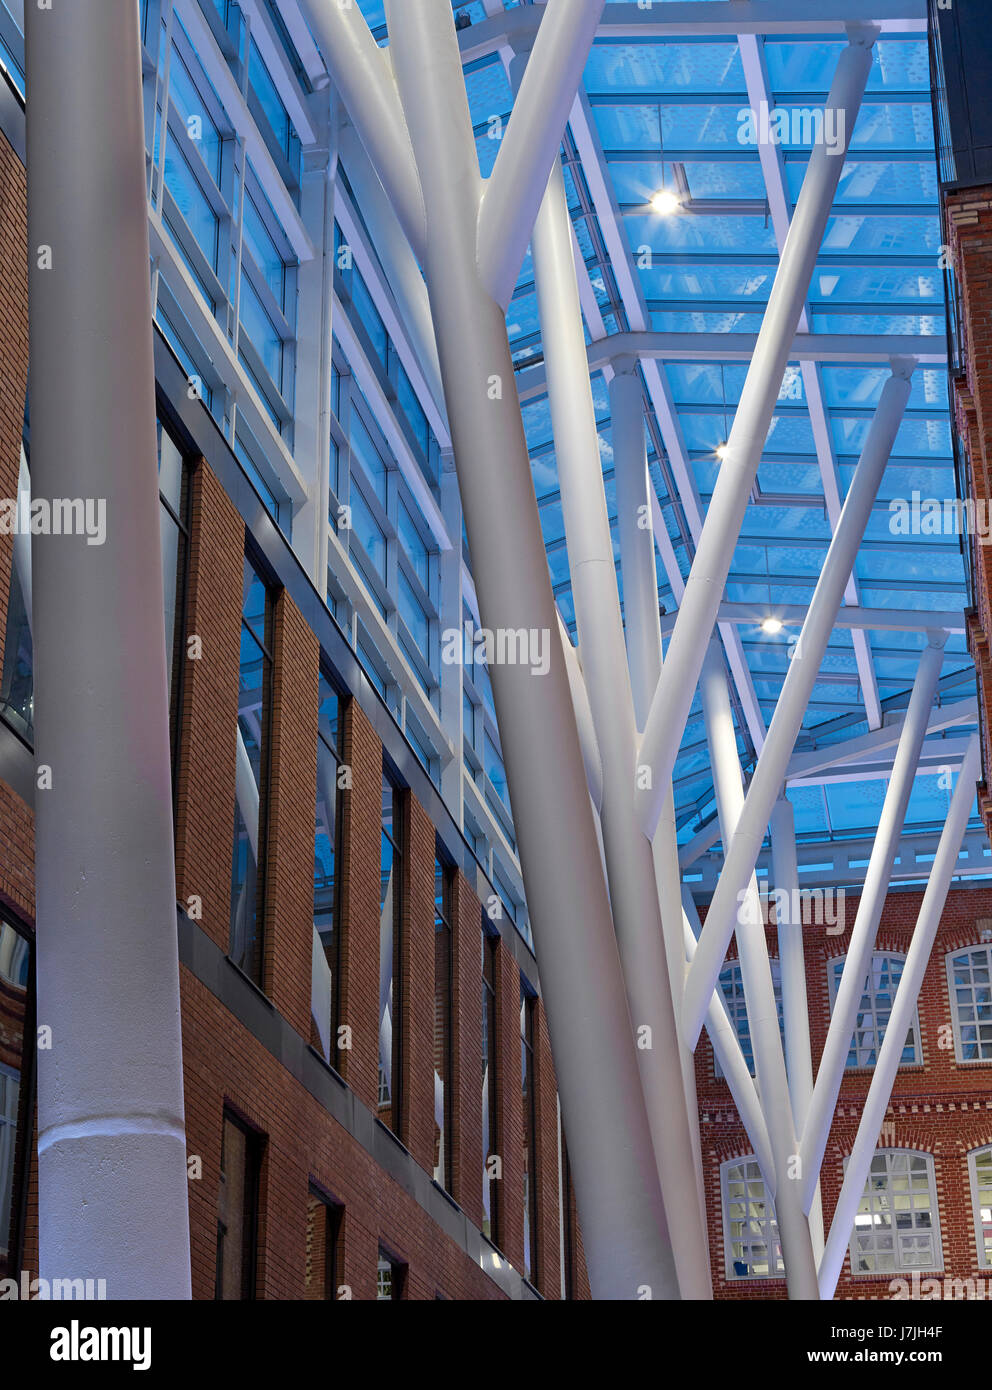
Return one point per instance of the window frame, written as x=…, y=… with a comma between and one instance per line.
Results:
x=952, y=989
x=23, y=1143
x=736, y=1015
x=265, y=645
x=396, y=836
x=337, y=756
x=769, y=1223
x=491, y=946
x=255, y=1148
x=832, y=988
x=528, y=1056
x=984, y=1252
x=444, y=913
x=935, y=1231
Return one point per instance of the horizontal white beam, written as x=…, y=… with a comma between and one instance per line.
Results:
x=712, y=19
x=870, y=619
x=868, y=745
x=850, y=348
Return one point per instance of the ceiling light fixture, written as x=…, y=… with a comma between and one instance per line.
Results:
x=772, y=626
x=666, y=202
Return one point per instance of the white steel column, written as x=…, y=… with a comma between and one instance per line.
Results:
x=714, y=552
x=759, y=992
x=769, y=775
x=830, y=1073
x=900, y=1020
x=314, y=351
x=727, y=1050
x=633, y=889
x=111, y=1131
x=619, y=1196
x=792, y=963
x=642, y=628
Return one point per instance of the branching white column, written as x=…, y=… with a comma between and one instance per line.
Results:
x=633, y=890
x=890, y=823
x=623, y=1221
x=642, y=628
x=727, y=1051
x=759, y=992
x=900, y=1020
x=804, y=668
x=721, y=528
x=792, y=962
x=111, y=1129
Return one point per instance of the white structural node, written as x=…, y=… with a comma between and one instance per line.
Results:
x=111, y=1127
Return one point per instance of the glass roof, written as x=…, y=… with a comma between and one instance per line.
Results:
x=669, y=114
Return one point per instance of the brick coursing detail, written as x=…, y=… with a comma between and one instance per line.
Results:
x=288, y=936
x=209, y=716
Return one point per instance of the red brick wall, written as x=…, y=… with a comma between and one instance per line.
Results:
x=416, y=977
x=303, y=1143
x=969, y=221
x=208, y=731
x=509, y=1100
x=466, y=1013
x=943, y=1106
x=288, y=937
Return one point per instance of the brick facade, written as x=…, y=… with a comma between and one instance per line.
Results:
x=969, y=222
x=941, y=1106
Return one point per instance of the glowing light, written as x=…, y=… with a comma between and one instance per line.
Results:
x=666, y=202
x=772, y=626
x=722, y=450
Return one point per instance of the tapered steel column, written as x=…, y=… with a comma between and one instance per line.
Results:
x=900, y=1020
x=623, y=1221
x=759, y=992
x=727, y=1051
x=111, y=1141
x=633, y=889
x=721, y=528
x=642, y=633
x=804, y=668
x=890, y=823
x=792, y=962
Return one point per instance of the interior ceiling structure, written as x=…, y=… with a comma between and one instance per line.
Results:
x=662, y=111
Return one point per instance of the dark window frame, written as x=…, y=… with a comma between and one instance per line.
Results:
x=333, y=1240
x=257, y=971
x=490, y=1004
x=399, y=1272
x=528, y=1053
x=26, y=1101
x=444, y=872
x=396, y=836
x=255, y=1147
x=337, y=754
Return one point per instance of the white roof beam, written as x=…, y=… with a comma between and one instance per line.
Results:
x=773, y=171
